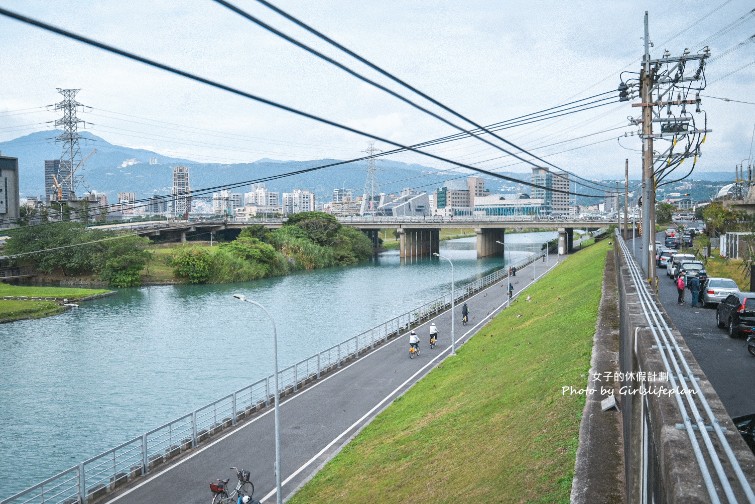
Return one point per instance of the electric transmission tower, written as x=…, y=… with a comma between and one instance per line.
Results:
x=70, y=157
x=371, y=197
x=665, y=89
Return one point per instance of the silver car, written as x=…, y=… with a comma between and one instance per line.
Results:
x=716, y=289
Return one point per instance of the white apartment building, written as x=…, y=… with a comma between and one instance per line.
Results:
x=298, y=201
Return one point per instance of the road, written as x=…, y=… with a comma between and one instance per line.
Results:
x=317, y=422
x=725, y=361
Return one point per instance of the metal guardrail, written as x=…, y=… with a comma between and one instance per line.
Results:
x=109, y=470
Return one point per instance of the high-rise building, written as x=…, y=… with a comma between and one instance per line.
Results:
x=298, y=201
x=9, y=195
x=225, y=202
x=555, y=201
x=157, y=205
x=181, y=191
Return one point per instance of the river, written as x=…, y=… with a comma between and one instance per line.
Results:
x=77, y=384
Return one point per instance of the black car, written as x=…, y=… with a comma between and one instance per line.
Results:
x=746, y=427
x=737, y=313
x=690, y=269
x=672, y=242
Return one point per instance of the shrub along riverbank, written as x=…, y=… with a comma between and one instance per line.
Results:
x=491, y=424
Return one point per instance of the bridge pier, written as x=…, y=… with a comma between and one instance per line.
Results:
x=374, y=236
x=415, y=243
x=565, y=240
x=486, y=242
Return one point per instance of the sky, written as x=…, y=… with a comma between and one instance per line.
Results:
x=487, y=60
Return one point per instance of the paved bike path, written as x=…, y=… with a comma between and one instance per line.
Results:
x=318, y=421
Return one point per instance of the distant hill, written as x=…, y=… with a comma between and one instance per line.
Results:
x=114, y=169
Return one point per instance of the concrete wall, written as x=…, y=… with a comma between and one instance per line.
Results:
x=658, y=455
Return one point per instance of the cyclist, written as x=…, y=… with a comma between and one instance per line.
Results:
x=433, y=333
x=511, y=290
x=414, y=340
x=464, y=314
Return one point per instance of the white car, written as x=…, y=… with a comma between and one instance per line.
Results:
x=716, y=289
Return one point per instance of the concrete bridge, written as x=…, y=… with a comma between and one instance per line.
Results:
x=418, y=236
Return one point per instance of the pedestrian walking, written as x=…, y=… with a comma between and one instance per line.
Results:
x=513, y=271
x=680, y=288
x=694, y=287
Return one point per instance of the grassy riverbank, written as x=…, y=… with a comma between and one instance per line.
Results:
x=21, y=302
x=491, y=424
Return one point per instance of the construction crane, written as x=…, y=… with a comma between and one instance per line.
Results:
x=58, y=187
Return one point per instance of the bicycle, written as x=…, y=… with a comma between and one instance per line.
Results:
x=464, y=319
x=242, y=494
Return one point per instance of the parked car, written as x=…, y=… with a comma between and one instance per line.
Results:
x=672, y=242
x=692, y=269
x=686, y=240
x=664, y=258
x=674, y=263
x=746, y=426
x=716, y=289
x=737, y=313
x=670, y=232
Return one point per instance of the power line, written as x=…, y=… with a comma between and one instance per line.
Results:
x=238, y=92
x=375, y=67
x=728, y=99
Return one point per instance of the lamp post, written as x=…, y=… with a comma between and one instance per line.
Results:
x=453, y=304
x=279, y=495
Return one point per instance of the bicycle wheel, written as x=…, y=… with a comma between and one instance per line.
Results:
x=247, y=489
x=220, y=499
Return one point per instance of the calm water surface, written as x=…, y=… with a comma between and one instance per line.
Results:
x=77, y=384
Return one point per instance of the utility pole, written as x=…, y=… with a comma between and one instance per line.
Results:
x=648, y=177
x=626, y=199
x=665, y=83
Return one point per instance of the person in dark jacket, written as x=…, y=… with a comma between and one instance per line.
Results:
x=694, y=287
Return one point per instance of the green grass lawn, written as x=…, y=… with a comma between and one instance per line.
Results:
x=11, y=310
x=56, y=292
x=491, y=424
x=17, y=309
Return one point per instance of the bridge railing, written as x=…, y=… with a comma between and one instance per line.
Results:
x=109, y=470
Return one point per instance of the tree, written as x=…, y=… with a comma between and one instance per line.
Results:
x=719, y=219
x=320, y=227
x=664, y=212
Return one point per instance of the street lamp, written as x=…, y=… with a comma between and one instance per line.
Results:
x=453, y=332
x=279, y=494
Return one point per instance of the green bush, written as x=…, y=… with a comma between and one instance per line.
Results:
x=193, y=264
x=257, y=252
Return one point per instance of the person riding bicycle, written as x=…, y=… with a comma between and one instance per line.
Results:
x=414, y=340
x=433, y=332
x=465, y=312
x=511, y=290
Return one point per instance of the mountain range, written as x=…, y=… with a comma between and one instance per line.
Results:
x=112, y=169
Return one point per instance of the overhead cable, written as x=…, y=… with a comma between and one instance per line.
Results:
x=244, y=94
x=330, y=41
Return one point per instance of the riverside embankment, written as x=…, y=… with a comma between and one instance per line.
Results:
x=140, y=357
